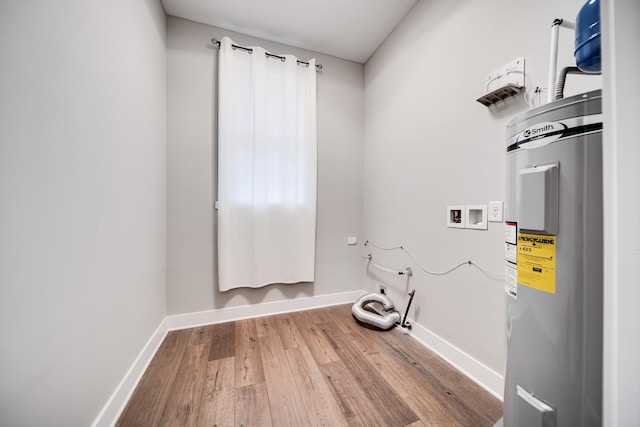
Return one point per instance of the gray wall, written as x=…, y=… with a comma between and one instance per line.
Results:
x=429, y=144
x=191, y=173
x=82, y=211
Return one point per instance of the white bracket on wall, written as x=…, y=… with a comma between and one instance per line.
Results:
x=503, y=82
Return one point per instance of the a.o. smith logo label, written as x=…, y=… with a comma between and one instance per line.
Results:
x=544, y=133
x=540, y=134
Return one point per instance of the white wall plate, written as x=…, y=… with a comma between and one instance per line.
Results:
x=456, y=217
x=476, y=217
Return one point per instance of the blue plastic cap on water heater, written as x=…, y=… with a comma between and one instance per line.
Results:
x=587, y=53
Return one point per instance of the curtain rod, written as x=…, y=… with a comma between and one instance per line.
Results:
x=270, y=55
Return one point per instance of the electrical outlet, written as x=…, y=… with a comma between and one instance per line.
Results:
x=495, y=211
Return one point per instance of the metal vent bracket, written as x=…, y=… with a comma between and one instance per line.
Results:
x=499, y=94
x=503, y=82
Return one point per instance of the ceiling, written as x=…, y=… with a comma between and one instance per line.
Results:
x=348, y=29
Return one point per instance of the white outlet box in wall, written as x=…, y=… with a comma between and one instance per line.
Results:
x=456, y=216
x=476, y=217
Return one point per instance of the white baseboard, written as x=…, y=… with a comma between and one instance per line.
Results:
x=472, y=368
x=109, y=414
x=209, y=317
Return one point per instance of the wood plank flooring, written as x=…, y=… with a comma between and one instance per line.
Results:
x=310, y=368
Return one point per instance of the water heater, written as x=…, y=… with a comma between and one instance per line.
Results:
x=553, y=264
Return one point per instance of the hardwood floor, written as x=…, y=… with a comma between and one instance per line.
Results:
x=310, y=368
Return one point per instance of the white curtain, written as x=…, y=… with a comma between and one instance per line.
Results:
x=267, y=168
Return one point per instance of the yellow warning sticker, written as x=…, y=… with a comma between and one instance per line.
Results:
x=537, y=262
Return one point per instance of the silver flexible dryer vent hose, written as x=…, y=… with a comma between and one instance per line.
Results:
x=562, y=78
x=385, y=316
